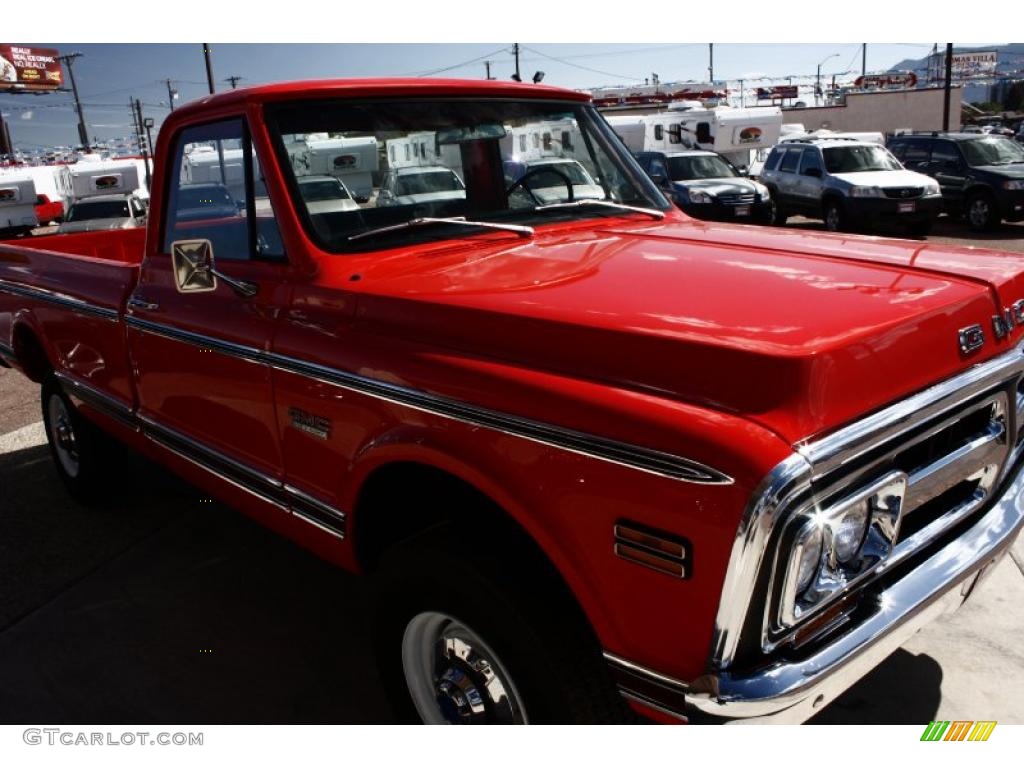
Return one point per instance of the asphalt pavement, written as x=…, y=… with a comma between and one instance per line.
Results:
x=161, y=607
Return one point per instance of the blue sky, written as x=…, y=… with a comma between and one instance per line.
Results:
x=108, y=74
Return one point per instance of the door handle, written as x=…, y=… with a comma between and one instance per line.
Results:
x=137, y=302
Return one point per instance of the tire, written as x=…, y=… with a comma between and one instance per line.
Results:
x=834, y=216
x=776, y=216
x=78, y=448
x=981, y=212
x=438, y=602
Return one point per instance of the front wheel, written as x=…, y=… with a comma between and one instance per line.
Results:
x=834, y=216
x=463, y=639
x=981, y=212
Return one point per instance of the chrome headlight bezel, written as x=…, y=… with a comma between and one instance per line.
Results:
x=882, y=504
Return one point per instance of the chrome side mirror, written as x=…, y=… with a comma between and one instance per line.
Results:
x=193, y=266
x=194, y=270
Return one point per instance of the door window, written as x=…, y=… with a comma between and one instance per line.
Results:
x=945, y=156
x=218, y=194
x=810, y=160
x=790, y=160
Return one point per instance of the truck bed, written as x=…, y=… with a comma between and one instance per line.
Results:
x=68, y=294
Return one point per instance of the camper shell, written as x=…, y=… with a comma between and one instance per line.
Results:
x=17, y=206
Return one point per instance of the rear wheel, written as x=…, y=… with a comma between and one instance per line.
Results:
x=981, y=212
x=466, y=637
x=78, y=448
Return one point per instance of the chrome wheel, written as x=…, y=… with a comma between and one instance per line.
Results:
x=979, y=212
x=454, y=677
x=62, y=435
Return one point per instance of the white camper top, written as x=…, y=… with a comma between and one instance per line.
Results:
x=98, y=178
x=16, y=191
x=54, y=181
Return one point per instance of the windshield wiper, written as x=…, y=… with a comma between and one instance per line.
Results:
x=522, y=231
x=653, y=212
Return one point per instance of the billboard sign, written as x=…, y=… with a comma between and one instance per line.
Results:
x=778, y=92
x=965, y=65
x=888, y=80
x=29, y=69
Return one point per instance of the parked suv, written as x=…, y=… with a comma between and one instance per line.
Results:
x=982, y=176
x=707, y=186
x=850, y=184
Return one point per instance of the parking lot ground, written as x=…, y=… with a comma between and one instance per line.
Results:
x=161, y=608
x=951, y=231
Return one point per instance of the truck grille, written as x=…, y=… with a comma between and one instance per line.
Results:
x=741, y=199
x=903, y=193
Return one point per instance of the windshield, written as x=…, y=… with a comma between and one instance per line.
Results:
x=699, y=167
x=484, y=159
x=323, y=190
x=992, y=150
x=99, y=209
x=859, y=158
x=427, y=182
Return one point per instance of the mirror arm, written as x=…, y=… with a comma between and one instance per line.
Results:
x=243, y=288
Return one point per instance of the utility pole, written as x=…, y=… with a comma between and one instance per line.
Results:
x=864, y=59
x=83, y=134
x=711, y=63
x=140, y=122
x=233, y=80
x=515, y=52
x=171, y=94
x=487, y=66
x=948, y=86
x=209, y=67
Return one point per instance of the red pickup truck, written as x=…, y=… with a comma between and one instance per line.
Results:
x=598, y=458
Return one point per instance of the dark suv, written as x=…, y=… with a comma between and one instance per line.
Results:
x=707, y=186
x=982, y=176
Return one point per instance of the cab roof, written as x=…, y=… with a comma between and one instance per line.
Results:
x=378, y=87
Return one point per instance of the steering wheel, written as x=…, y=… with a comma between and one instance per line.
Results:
x=521, y=182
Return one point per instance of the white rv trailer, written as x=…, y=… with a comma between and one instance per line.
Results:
x=741, y=135
x=421, y=149
x=205, y=165
x=17, y=205
x=353, y=159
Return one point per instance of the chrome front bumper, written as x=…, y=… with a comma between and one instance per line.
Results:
x=792, y=692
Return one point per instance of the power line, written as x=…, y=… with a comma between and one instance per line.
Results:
x=455, y=66
x=580, y=66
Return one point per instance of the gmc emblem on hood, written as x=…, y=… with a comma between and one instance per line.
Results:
x=971, y=338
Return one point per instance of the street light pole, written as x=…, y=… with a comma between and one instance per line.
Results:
x=83, y=133
x=817, y=79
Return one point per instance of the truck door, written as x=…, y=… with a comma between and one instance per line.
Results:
x=948, y=167
x=786, y=179
x=808, y=183
x=204, y=387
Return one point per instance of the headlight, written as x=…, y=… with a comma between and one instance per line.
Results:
x=762, y=192
x=865, y=192
x=1014, y=184
x=848, y=532
x=698, y=197
x=932, y=190
x=839, y=544
x=807, y=555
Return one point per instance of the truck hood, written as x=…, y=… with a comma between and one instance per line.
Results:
x=1013, y=171
x=798, y=331
x=885, y=179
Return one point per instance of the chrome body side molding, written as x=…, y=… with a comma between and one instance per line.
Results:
x=286, y=497
x=625, y=454
x=59, y=299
